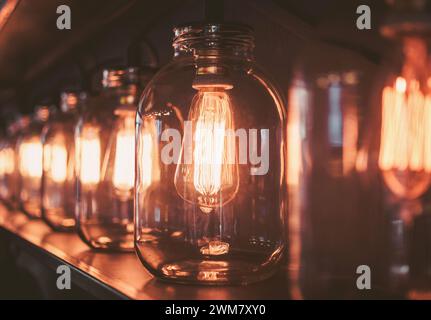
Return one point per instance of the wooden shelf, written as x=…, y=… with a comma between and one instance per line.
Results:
x=116, y=276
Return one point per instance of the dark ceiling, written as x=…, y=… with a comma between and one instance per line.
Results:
x=30, y=43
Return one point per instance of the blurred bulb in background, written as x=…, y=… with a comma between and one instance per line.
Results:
x=9, y=178
x=105, y=136
x=404, y=150
x=59, y=163
x=124, y=173
x=30, y=162
x=405, y=147
x=89, y=144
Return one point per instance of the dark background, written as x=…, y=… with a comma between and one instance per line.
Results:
x=37, y=60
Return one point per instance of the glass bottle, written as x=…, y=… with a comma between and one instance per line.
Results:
x=11, y=181
x=400, y=153
x=30, y=158
x=59, y=173
x=7, y=163
x=328, y=211
x=6, y=166
x=210, y=188
x=105, y=138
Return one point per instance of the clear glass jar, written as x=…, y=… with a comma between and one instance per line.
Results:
x=7, y=163
x=207, y=210
x=328, y=209
x=30, y=158
x=105, y=138
x=400, y=155
x=10, y=180
x=6, y=166
x=59, y=173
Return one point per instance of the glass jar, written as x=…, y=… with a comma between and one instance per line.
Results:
x=59, y=174
x=10, y=180
x=210, y=188
x=6, y=166
x=30, y=158
x=400, y=153
x=328, y=208
x=105, y=138
x=7, y=163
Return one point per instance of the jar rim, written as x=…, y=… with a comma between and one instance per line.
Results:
x=118, y=76
x=70, y=100
x=214, y=35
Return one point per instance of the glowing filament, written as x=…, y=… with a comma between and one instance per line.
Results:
x=30, y=158
x=7, y=161
x=211, y=179
x=58, y=163
x=89, y=145
x=406, y=128
x=124, y=167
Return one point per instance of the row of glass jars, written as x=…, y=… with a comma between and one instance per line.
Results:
x=205, y=211
x=196, y=179
x=40, y=158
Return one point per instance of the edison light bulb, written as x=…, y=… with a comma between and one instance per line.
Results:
x=30, y=163
x=105, y=139
x=89, y=145
x=207, y=174
x=7, y=161
x=59, y=170
x=57, y=156
x=405, y=148
x=124, y=171
x=30, y=155
x=205, y=210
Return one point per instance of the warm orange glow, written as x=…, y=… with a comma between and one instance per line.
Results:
x=147, y=161
x=406, y=138
x=30, y=158
x=124, y=167
x=298, y=102
x=7, y=161
x=214, y=168
x=214, y=117
x=90, y=156
x=58, y=163
x=350, y=138
x=401, y=85
x=406, y=129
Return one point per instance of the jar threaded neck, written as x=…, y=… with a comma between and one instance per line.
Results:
x=227, y=39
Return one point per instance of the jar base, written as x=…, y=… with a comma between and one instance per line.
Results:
x=58, y=222
x=107, y=237
x=231, y=269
